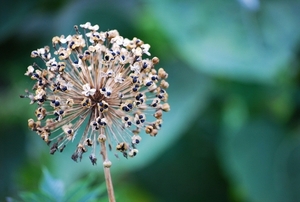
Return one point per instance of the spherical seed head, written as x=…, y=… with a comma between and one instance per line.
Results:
x=100, y=82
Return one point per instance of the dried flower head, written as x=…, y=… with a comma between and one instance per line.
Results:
x=102, y=81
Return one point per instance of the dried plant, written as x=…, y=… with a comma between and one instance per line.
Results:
x=102, y=82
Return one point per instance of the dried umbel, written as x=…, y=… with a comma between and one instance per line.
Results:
x=101, y=82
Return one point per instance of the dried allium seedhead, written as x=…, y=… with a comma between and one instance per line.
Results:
x=105, y=83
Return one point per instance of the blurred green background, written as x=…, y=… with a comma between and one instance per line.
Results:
x=233, y=130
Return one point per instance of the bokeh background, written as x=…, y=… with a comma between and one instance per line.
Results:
x=233, y=130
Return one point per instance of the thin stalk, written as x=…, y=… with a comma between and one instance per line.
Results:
x=106, y=166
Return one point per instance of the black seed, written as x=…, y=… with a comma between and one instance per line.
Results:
x=71, y=44
x=145, y=65
x=62, y=148
x=64, y=88
x=149, y=83
x=93, y=159
x=41, y=100
x=53, y=150
x=74, y=157
x=56, y=103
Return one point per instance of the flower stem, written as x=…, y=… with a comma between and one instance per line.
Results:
x=108, y=180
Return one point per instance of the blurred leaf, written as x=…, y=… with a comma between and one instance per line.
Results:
x=12, y=16
x=52, y=187
x=286, y=170
x=248, y=155
x=36, y=197
x=96, y=12
x=133, y=192
x=224, y=39
x=81, y=191
x=52, y=190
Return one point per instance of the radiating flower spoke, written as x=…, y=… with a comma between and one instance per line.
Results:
x=101, y=78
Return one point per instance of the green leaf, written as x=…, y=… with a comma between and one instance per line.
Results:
x=248, y=154
x=222, y=38
x=11, y=20
x=36, y=197
x=286, y=169
x=54, y=188
x=83, y=191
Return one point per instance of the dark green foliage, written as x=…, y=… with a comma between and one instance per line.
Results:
x=233, y=130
